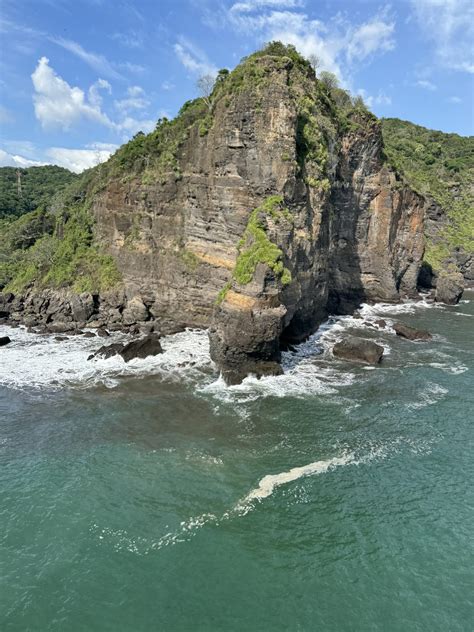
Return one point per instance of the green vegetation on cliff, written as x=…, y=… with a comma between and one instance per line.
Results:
x=256, y=247
x=25, y=190
x=438, y=166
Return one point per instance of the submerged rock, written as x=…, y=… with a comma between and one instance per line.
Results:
x=358, y=350
x=102, y=332
x=4, y=340
x=410, y=333
x=380, y=323
x=449, y=288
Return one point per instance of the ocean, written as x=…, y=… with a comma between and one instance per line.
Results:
x=150, y=496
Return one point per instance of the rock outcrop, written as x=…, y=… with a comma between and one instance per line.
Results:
x=449, y=287
x=358, y=350
x=410, y=333
x=148, y=346
x=255, y=218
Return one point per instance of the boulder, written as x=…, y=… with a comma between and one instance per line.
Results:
x=358, y=350
x=4, y=340
x=380, y=323
x=88, y=334
x=82, y=306
x=136, y=311
x=60, y=327
x=449, y=288
x=410, y=333
x=107, y=351
x=102, y=332
x=147, y=346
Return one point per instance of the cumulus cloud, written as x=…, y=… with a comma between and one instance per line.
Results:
x=78, y=159
x=193, y=58
x=380, y=99
x=338, y=44
x=449, y=24
x=15, y=160
x=135, y=100
x=57, y=104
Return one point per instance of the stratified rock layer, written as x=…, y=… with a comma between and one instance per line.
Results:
x=201, y=245
x=348, y=230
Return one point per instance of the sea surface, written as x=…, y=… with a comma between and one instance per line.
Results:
x=150, y=496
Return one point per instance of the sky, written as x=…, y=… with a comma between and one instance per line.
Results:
x=80, y=77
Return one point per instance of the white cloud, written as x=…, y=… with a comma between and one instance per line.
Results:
x=94, y=94
x=135, y=100
x=373, y=36
x=380, y=99
x=130, y=126
x=427, y=85
x=455, y=100
x=252, y=5
x=167, y=85
x=449, y=24
x=57, y=104
x=193, y=58
x=338, y=44
x=77, y=159
x=15, y=160
x=98, y=62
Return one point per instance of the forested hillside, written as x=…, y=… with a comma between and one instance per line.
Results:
x=439, y=166
x=37, y=186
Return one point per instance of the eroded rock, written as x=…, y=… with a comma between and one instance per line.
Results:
x=449, y=288
x=358, y=350
x=410, y=333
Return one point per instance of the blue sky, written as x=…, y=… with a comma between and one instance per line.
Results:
x=80, y=77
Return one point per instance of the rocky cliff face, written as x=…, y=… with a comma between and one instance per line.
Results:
x=278, y=216
x=256, y=218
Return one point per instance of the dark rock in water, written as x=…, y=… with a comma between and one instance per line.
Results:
x=4, y=340
x=61, y=338
x=150, y=345
x=60, y=327
x=89, y=334
x=449, y=288
x=380, y=323
x=260, y=369
x=358, y=350
x=404, y=331
x=102, y=332
x=107, y=351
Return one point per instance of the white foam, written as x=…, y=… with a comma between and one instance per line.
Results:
x=268, y=483
x=431, y=394
x=35, y=361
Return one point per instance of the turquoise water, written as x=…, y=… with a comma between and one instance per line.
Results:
x=135, y=498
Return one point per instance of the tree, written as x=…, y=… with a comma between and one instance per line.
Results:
x=315, y=62
x=329, y=79
x=205, y=85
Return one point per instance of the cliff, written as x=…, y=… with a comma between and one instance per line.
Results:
x=440, y=167
x=255, y=215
